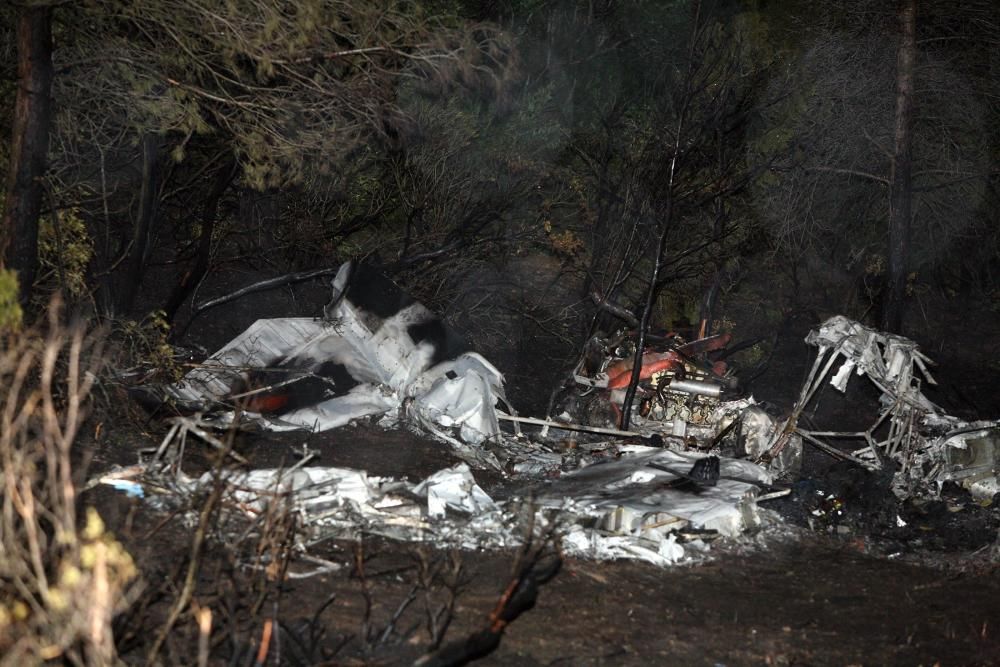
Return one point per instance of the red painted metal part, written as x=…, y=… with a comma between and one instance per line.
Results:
x=267, y=403
x=620, y=373
x=652, y=362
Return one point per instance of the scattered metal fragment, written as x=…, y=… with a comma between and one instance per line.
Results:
x=926, y=445
x=631, y=506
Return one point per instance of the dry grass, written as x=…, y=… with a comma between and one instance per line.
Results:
x=62, y=579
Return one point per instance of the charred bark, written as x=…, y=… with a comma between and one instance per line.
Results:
x=135, y=264
x=29, y=145
x=901, y=186
x=191, y=278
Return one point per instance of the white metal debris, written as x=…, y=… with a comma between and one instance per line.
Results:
x=928, y=445
x=385, y=367
x=632, y=507
x=638, y=495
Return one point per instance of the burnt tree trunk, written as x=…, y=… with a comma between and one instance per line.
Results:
x=135, y=263
x=666, y=223
x=210, y=214
x=901, y=187
x=29, y=145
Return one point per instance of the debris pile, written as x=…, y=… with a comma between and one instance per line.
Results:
x=685, y=398
x=651, y=504
x=924, y=445
x=375, y=353
x=715, y=455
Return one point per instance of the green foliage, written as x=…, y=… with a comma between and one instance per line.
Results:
x=675, y=306
x=62, y=579
x=831, y=138
x=533, y=133
x=471, y=167
x=294, y=88
x=611, y=185
x=752, y=356
x=146, y=342
x=66, y=252
x=10, y=309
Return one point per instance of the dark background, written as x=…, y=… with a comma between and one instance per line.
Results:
x=756, y=163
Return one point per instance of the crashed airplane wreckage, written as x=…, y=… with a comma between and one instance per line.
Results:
x=925, y=446
x=379, y=354
x=686, y=399
x=683, y=398
x=375, y=353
